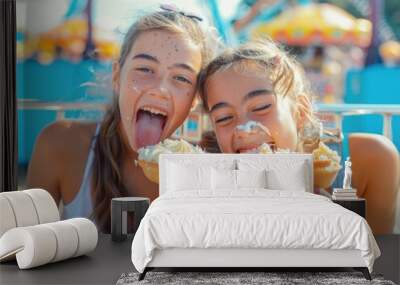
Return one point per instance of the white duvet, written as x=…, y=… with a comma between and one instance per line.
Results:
x=253, y=218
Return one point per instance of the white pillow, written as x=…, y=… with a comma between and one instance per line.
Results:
x=251, y=178
x=292, y=180
x=283, y=173
x=223, y=179
x=188, y=177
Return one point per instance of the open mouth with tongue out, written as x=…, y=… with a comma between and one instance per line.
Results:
x=150, y=124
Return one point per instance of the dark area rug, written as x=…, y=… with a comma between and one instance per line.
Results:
x=229, y=278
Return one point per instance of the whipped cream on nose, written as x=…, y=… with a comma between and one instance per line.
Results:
x=251, y=126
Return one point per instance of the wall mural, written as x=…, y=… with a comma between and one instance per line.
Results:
x=100, y=99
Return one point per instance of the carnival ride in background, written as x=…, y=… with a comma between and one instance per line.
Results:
x=333, y=47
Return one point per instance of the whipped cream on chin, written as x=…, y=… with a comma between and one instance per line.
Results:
x=152, y=152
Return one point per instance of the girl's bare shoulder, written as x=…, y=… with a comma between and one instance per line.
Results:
x=59, y=158
x=67, y=137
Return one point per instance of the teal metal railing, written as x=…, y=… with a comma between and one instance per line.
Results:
x=340, y=110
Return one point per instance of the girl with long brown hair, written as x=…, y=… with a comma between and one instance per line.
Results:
x=154, y=81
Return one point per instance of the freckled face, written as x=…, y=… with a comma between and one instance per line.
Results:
x=156, y=86
x=235, y=98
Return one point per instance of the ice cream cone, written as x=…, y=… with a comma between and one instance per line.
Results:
x=326, y=166
x=149, y=155
x=324, y=176
x=150, y=170
x=321, y=163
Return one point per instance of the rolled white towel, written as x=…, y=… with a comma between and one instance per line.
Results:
x=40, y=244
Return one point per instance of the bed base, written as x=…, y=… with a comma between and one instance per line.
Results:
x=250, y=259
x=363, y=270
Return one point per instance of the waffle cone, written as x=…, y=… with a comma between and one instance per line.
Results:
x=150, y=170
x=321, y=163
x=323, y=176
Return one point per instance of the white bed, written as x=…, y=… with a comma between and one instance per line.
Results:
x=248, y=226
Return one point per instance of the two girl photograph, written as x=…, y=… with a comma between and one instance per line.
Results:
x=255, y=95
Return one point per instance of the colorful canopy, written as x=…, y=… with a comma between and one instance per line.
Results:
x=316, y=24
